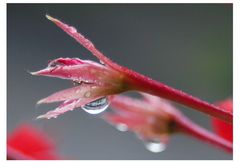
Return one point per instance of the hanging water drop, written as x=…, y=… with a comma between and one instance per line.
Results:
x=121, y=127
x=154, y=146
x=97, y=106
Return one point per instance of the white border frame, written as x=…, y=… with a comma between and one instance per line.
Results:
x=236, y=64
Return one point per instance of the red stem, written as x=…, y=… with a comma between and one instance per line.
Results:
x=145, y=84
x=186, y=126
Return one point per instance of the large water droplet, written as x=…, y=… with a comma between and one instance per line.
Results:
x=121, y=127
x=154, y=146
x=97, y=106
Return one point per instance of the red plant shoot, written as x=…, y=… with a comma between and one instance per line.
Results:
x=94, y=81
x=121, y=79
x=152, y=118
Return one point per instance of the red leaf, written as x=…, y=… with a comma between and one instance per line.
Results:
x=222, y=128
x=94, y=81
x=32, y=143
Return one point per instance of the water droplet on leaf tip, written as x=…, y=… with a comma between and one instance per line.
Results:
x=154, y=146
x=121, y=127
x=97, y=106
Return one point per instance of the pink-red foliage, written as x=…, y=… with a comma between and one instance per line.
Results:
x=120, y=78
x=222, y=128
x=27, y=142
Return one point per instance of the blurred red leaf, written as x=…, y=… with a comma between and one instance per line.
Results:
x=222, y=128
x=153, y=118
x=26, y=142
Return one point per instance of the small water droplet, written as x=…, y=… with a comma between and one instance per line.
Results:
x=97, y=106
x=101, y=62
x=72, y=30
x=55, y=64
x=54, y=116
x=88, y=43
x=77, y=83
x=154, y=146
x=78, y=90
x=87, y=94
x=121, y=127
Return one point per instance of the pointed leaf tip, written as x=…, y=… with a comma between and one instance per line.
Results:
x=40, y=117
x=49, y=17
x=34, y=73
x=41, y=101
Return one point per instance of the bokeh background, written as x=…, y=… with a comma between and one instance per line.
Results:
x=187, y=46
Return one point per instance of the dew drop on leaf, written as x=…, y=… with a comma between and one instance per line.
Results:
x=97, y=106
x=54, y=64
x=87, y=94
x=72, y=30
x=121, y=127
x=154, y=146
